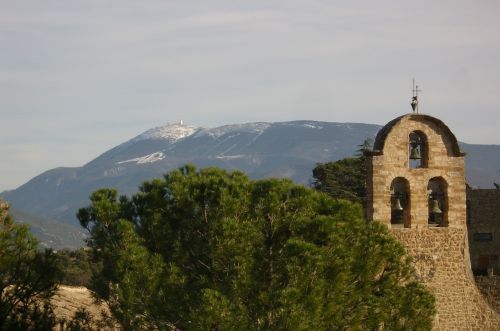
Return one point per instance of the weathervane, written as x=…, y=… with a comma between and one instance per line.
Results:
x=414, y=98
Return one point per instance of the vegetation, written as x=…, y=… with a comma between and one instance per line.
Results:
x=28, y=278
x=211, y=250
x=75, y=266
x=343, y=179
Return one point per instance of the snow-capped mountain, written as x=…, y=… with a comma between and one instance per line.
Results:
x=169, y=132
x=284, y=149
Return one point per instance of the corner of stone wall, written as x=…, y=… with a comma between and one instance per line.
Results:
x=440, y=258
x=489, y=286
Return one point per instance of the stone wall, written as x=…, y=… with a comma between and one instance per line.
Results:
x=490, y=288
x=440, y=253
x=392, y=162
x=483, y=224
x=439, y=256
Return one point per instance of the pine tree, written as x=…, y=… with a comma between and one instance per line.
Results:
x=28, y=278
x=343, y=179
x=212, y=250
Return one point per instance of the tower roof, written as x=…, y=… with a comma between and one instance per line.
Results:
x=379, y=143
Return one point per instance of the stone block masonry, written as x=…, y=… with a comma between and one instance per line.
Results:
x=490, y=288
x=416, y=186
x=439, y=256
x=483, y=223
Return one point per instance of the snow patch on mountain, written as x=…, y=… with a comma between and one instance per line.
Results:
x=215, y=133
x=230, y=157
x=229, y=149
x=302, y=124
x=116, y=171
x=169, y=132
x=311, y=126
x=150, y=158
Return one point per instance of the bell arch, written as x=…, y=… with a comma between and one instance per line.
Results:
x=400, y=203
x=452, y=147
x=437, y=192
x=418, y=155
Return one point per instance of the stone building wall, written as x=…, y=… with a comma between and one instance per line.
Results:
x=440, y=253
x=483, y=224
x=490, y=288
x=439, y=256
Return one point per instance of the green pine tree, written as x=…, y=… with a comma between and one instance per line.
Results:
x=28, y=278
x=212, y=250
x=343, y=179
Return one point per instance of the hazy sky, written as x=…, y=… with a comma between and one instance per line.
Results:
x=79, y=77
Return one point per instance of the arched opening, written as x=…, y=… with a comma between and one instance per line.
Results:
x=417, y=150
x=400, y=203
x=437, y=191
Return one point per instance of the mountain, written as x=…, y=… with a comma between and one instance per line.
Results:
x=482, y=165
x=283, y=149
x=51, y=233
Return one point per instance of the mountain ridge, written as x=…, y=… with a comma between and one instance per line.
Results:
x=261, y=149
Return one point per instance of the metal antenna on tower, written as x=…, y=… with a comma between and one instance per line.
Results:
x=414, y=98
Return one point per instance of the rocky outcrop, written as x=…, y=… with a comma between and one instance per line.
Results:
x=68, y=300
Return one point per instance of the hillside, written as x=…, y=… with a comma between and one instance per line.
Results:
x=51, y=233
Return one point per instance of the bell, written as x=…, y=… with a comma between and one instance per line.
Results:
x=415, y=153
x=435, y=207
x=397, y=205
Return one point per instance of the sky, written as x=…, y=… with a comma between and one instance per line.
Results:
x=80, y=77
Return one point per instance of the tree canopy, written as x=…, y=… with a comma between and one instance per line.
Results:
x=342, y=179
x=212, y=250
x=28, y=278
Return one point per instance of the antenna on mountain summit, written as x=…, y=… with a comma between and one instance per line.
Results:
x=414, y=98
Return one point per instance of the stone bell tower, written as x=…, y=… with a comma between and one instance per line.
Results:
x=416, y=186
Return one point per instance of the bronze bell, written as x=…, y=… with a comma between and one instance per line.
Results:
x=435, y=207
x=415, y=153
x=397, y=205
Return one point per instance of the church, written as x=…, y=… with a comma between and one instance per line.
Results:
x=416, y=186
